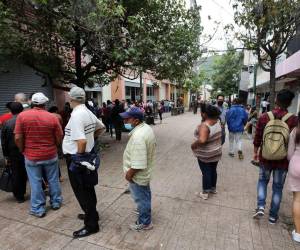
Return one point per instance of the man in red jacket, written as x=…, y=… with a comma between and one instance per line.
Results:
x=279, y=168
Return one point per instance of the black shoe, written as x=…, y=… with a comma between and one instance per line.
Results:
x=81, y=216
x=127, y=191
x=20, y=200
x=84, y=232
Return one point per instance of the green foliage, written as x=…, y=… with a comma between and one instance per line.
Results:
x=196, y=81
x=226, y=73
x=108, y=37
x=268, y=27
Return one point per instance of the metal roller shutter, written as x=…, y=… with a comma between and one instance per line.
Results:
x=16, y=78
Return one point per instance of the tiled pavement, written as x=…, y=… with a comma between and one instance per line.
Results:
x=181, y=220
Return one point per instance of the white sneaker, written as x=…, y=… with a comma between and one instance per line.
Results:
x=296, y=236
x=203, y=196
x=140, y=227
x=135, y=211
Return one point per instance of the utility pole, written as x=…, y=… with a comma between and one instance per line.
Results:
x=141, y=86
x=254, y=84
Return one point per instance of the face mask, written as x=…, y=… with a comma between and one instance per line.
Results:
x=220, y=103
x=128, y=126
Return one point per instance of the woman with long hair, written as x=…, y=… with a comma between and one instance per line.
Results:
x=294, y=177
x=208, y=148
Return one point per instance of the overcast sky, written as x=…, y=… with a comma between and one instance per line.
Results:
x=219, y=11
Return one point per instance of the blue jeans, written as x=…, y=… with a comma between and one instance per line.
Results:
x=35, y=171
x=279, y=176
x=142, y=197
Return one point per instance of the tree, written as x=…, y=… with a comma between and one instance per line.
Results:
x=196, y=81
x=269, y=25
x=92, y=40
x=226, y=73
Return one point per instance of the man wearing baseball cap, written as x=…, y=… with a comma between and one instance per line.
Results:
x=37, y=135
x=138, y=163
x=78, y=147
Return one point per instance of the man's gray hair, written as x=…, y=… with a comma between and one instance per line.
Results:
x=21, y=97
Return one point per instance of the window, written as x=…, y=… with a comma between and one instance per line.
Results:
x=128, y=91
x=150, y=91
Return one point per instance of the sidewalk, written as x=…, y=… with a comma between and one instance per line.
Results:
x=181, y=219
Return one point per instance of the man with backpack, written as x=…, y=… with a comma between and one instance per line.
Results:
x=270, y=148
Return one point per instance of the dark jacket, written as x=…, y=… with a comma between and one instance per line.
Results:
x=9, y=147
x=115, y=114
x=236, y=118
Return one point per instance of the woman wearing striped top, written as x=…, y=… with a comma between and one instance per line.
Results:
x=208, y=148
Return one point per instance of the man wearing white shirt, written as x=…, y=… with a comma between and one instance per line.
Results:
x=78, y=143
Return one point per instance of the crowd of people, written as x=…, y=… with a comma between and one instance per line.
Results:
x=34, y=137
x=276, y=149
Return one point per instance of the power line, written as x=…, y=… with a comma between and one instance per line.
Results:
x=222, y=7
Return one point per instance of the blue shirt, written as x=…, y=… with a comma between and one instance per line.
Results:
x=236, y=118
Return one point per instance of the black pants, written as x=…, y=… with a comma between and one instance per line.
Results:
x=195, y=108
x=118, y=128
x=105, y=122
x=209, y=175
x=160, y=115
x=86, y=197
x=19, y=176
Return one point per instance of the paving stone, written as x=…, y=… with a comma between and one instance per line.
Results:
x=181, y=219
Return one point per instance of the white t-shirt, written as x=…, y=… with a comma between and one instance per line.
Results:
x=81, y=126
x=264, y=104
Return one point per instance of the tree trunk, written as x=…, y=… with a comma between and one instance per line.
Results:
x=78, y=68
x=272, y=83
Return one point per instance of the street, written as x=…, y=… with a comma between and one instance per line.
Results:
x=181, y=219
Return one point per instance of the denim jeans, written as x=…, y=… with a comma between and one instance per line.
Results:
x=209, y=175
x=35, y=171
x=142, y=197
x=279, y=176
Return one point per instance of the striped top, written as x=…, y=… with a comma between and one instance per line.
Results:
x=40, y=130
x=211, y=151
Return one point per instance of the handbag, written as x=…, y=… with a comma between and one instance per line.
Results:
x=6, y=181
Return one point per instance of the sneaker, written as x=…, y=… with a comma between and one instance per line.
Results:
x=259, y=212
x=127, y=191
x=241, y=156
x=296, y=236
x=56, y=207
x=272, y=220
x=231, y=154
x=136, y=212
x=213, y=191
x=203, y=195
x=38, y=215
x=140, y=227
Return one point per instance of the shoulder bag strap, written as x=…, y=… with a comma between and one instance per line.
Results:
x=271, y=116
x=286, y=117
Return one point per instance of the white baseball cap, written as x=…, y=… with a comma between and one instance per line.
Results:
x=39, y=98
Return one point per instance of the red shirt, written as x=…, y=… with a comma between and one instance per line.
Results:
x=258, y=140
x=40, y=130
x=5, y=117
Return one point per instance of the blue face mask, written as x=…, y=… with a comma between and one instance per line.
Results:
x=128, y=126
